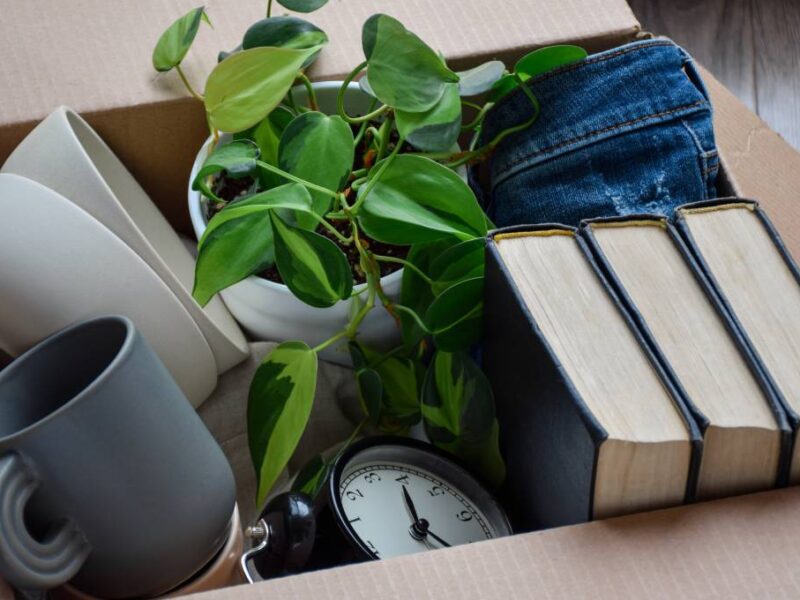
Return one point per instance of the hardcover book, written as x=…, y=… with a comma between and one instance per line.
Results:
x=592, y=426
x=746, y=437
x=758, y=282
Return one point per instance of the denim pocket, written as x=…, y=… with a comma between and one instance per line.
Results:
x=621, y=132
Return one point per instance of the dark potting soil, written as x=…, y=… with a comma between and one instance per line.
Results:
x=230, y=189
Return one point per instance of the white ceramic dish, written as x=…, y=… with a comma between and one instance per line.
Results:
x=59, y=265
x=65, y=154
x=268, y=310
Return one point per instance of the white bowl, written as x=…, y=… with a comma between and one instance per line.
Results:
x=59, y=265
x=64, y=154
x=268, y=310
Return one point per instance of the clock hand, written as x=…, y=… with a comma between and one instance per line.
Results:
x=410, y=504
x=438, y=539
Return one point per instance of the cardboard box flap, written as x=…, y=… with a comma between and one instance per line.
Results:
x=738, y=547
x=95, y=57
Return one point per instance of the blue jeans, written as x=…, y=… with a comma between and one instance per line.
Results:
x=624, y=131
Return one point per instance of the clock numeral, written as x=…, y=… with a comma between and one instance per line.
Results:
x=354, y=494
x=372, y=547
x=464, y=516
x=372, y=477
x=402, y=479
x=436, y=491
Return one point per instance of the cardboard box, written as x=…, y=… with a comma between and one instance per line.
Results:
x=94, y=56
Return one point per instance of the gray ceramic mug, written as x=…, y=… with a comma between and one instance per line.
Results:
x=107, y=475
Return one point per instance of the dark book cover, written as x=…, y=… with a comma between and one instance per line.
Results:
x=774, y=402
x=792, y=417
x=549, y=437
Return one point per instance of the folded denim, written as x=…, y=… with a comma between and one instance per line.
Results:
x=624, y=131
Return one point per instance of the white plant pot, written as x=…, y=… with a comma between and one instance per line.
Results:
x=65, y=154
x=59, y=265
x=268, y=310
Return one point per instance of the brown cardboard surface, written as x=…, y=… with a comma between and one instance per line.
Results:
x=744, y=547
x=763, y=165
x=94, y=56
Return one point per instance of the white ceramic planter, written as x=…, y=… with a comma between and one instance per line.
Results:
x=59, y=265
x=269, y=311
x=64, y=154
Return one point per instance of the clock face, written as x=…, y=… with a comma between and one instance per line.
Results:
x=402, y=498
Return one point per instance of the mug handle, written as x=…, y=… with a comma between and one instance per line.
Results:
x=25, y=562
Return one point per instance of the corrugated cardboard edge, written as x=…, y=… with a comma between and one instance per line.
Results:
x=759, y=162
x=733, y=548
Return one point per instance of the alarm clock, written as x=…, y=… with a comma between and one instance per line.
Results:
x=385, y=497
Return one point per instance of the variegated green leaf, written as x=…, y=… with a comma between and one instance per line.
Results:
x=279, y=404
x=404, y=72
x=246, y=86
x=418, y=200
x=238, y=241
x=455, y=317
x=459, y=413
x=175, y=42
x=319, y=149
x=312, y=477
x=481, y=78
x=457, y=263
x=437, y=128
x=303, y=6
x=312, y=267
x=237, y=159
x=285, y=32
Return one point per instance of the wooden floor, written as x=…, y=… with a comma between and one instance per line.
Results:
x=752, y=46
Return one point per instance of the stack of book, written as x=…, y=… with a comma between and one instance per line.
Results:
x=641, y=362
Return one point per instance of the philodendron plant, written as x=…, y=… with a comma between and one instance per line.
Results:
x=324, y=191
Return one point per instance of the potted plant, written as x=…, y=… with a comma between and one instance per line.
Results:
x=337, y=209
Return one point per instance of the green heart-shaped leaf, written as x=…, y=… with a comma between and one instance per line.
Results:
x=319, y=149
x=415, y=292
x=404, y=72
x=237, y=158
x=286, y=32
x=418, y=200
x=267, y=135
x=370, y=393
x=546, y=59
x=175, y=42
x=363, y=83
x=239, y=241
x=459, y=413
x=303, y=6
x=312, y=267
x=503, y=86
x=481, y=78
x=436, y=129
x=455, y=317
x=245, y=87
x=279, y=404
x=457, y=263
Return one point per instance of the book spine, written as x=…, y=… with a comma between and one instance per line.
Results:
x=549, y=439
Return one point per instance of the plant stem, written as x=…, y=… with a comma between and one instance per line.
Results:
x=332, y=229
x=363, y=128
x=412, y=313
x=186, y=83
x=374, y=179
x=340, y=100
x=330, y=341
x=405, y=263
x=269, y=8
x=290, y=177
x=312, y=95
x=471, y=104
x=384, y=133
